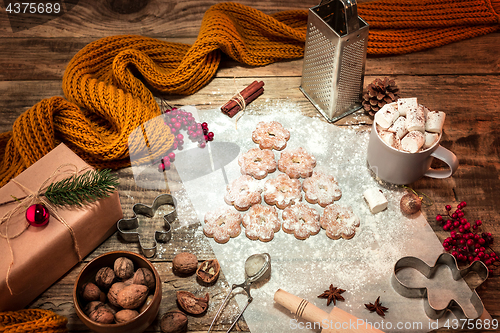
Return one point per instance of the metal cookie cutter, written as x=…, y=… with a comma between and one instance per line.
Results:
x=460, y=306
x=125, y=226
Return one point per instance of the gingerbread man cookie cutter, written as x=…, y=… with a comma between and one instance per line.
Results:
x=128, y=227
x=470, y=308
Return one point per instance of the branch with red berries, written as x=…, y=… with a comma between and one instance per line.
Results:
x=466, y=242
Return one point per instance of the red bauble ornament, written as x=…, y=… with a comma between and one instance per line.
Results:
x=37, y=215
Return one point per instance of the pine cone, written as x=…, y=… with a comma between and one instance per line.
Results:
x=378, y=93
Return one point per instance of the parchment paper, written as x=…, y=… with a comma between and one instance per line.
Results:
x=362, y=265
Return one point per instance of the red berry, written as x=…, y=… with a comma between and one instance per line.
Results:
x=171, y=156
x=463, y=204
x=439, y=218
x=478, y=223
x=448, y=207
x=180, y=136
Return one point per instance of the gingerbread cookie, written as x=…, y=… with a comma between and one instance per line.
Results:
x=282, y=191
x=270, y=135
x=301, y=220
x=339, y=221
x=257, y=163
x=297, y=163
x=321, y=188
x=243, y=192
x=261, y=222
x=222, y=224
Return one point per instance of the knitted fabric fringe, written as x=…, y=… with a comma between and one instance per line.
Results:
x=32, y=321
x=109, y=83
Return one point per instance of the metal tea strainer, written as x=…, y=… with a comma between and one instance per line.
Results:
x=257, y=268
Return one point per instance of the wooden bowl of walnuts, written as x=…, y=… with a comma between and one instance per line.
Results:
x=119, y=291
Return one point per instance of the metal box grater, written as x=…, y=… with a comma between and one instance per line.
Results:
x=334, y=58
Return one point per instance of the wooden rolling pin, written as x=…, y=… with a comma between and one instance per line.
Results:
x=337, y=321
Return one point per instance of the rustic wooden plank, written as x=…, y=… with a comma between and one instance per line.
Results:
x=46, y=59
x=156, y=18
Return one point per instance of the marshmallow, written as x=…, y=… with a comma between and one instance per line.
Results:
x=386, y=116
x=388, y=137
x=415, y=119
x=399, y=128
x=375, y=199
x=413, y=141
x=435, y=121
x=407, y=104
x=430, y=139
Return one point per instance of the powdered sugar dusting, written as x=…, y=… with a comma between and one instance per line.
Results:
x=362, y=265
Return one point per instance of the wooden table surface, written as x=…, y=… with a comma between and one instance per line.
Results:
x=462, y=79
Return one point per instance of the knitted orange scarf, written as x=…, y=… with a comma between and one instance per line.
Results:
x=106, y=99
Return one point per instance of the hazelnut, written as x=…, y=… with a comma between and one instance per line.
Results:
x=113, y=292
x=185, y=263
x=126, y=315
x=145, y=277
x=102, y=315
x=174, y=322
x=410, y=204
x=124, y=268
x=131, y=297
x=91, y=292
x=105, y=277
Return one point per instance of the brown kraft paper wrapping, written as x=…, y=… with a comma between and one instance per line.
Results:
x=42, y=255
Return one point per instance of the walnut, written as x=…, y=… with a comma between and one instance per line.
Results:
x=145, y=277
x=101, y=314
x=126, y=315
x=92, y=306
x=208, y=272
x=174, y=322
x=185, y=263
x=124, y=268
x=131, y=297
x=91, y=292
x=113, y=292
x=192, y=304
x=105, y=277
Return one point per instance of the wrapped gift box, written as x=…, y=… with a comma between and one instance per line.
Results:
x=42, y=255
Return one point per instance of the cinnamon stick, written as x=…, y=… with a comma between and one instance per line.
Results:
x=246, y=94
x=248, y=100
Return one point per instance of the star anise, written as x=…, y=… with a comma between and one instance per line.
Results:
x=377, y=307
x=333, y=294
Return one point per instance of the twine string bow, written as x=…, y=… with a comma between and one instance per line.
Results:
x=31, y=198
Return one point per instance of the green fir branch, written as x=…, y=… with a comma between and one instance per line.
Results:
x=85, y=188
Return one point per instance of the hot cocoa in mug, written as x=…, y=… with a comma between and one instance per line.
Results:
x=403, y=142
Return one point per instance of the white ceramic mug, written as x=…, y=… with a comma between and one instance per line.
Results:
x=400, y=167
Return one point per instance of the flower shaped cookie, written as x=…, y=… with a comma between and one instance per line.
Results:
x=301, y=220
x=339, y=221
x=222, y=224
x=243, y=192
x=261, y=222
x=321, y=188
x=257, y=163
x=270, y=135
x=297, y=163
x=282, y=191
